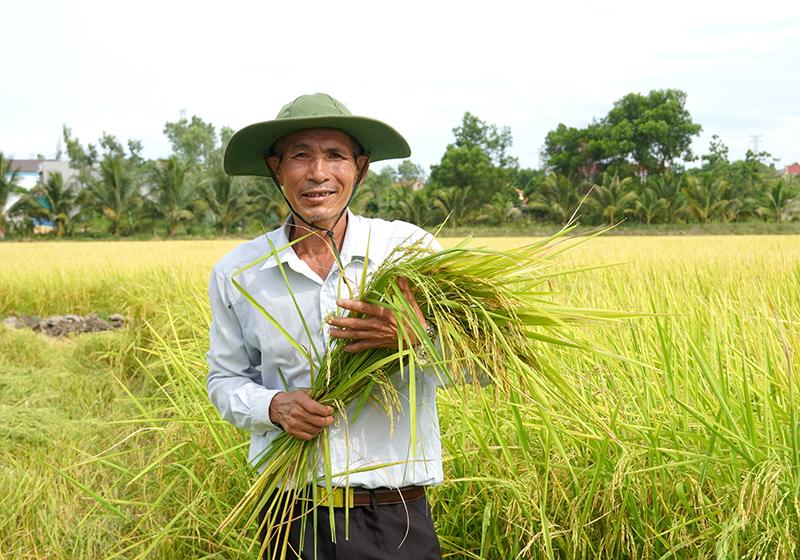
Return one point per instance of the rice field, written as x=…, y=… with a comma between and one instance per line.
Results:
x=677, y=437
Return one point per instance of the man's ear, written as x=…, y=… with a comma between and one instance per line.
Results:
x=273, y=162
x=362, y=160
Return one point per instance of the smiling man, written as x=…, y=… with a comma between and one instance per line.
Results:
x=317, y=153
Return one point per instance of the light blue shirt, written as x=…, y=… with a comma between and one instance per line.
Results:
x=246, y=352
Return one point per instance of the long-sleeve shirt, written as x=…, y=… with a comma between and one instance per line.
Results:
x=249, y=358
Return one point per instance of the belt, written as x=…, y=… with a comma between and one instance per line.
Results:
x=364, y=497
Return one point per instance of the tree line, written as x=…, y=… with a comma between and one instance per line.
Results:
x=631, y=164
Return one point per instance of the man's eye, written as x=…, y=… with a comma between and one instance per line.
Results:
x=299, y=155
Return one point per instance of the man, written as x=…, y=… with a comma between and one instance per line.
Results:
x=318, y=152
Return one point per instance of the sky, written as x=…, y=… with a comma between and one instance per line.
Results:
x=128, y=68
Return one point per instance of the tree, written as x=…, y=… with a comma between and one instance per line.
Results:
x=56, y=200
x=613, y=198
x=193, y=141
x=111, y=177
x=705, y=197
x=9, y=184
x=669, y=188
x=573, y=152
x=171, y=194
x=491, y=140
x=649, y=132
x=649, y=206
x=226, y=198
x=777, y=199
x=558, y=198
x=409, y=173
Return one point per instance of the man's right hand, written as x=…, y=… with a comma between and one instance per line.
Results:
x=299, y=415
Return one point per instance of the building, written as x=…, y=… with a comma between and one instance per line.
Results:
x=32, y=172
x=792, y=170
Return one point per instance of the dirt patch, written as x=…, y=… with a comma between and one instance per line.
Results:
x=64, y=325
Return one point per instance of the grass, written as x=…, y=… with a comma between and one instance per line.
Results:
x=687, y=447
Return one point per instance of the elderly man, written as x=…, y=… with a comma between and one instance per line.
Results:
x=317, y=153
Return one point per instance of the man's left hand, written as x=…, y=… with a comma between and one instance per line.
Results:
x=378, y=327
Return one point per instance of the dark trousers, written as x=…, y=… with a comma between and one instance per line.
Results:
x=376, y=532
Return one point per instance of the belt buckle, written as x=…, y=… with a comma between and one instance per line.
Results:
x=337, y=497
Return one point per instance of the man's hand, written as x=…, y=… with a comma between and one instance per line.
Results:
x=378, y=327
x=299, y=415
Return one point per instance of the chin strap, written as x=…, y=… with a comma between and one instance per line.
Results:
x=328, y=232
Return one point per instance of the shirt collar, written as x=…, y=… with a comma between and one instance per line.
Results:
x=354, y=246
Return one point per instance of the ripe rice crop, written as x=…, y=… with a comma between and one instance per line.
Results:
x=109, y=448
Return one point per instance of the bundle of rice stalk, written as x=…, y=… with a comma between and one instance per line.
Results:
x=489, y=308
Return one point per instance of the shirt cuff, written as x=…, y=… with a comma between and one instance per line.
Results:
x=260, y=413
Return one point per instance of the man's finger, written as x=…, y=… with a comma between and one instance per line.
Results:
x=358, y=324
x=368, y=345
x=313, y=407
x=363, y=307
x=351, y=334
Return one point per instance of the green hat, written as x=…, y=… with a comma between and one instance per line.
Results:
x=247, y=149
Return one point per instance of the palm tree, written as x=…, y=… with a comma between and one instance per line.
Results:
x=649, y=206
x=9, y=183
x=668, y=187
x=613, y=198
x=497, y=211
x=56, y=200
x=225, y=196
x=114, y=192
x=456, y=202
x=777, y=199
x=266, y=201
x=706, y=197
x=557, y=198
x=173, y=193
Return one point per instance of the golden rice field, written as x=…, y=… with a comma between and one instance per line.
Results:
x=678, y=436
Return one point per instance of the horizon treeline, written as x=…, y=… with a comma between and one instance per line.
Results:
x=630, y=164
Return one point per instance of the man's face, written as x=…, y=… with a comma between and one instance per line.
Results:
x=317, y=170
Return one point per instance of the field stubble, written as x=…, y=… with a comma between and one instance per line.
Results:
x=678, y=438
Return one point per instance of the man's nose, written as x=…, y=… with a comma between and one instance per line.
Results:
x=319, y=169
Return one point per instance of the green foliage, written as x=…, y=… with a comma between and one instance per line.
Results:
x=649, y=132
x=644, y=141
x=172, y=194
x=193, y=141
x=9, y=184
x=56, y=200
x=612, y=200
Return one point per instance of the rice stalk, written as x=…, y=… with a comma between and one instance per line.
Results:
x=488, y=306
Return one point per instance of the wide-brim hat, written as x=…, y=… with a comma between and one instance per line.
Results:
x=246, y=150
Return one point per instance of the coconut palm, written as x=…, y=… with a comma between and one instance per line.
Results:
x=172, y=194
x=56, y=200
x=706, y=198
x=497, y=211
x=226, y=197
x=649, y=206
x=9, y=184
x=457, y=203
x=265, y=201
x=613, y=198
x=114, y=191
x=777, y=199
x=668, y=187
x=557, y=198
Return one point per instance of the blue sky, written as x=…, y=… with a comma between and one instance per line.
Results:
x=127, y=68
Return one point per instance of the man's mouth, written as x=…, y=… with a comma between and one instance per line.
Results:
x=318, y=195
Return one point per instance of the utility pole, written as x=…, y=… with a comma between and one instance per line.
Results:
x=756, y=139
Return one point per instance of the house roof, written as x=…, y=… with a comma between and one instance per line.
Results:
x=26, y=165
x=793, y=169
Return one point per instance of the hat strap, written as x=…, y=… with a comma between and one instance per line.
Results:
x=328, y=232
